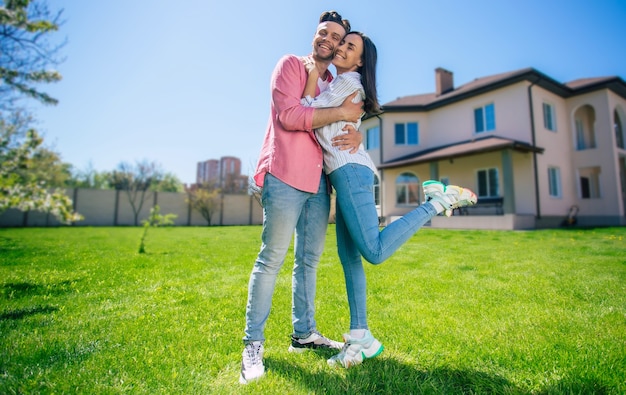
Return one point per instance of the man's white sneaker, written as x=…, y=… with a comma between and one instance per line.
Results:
x=355, y=351
x=314, y=341
x=252, y=362
x=449, y=197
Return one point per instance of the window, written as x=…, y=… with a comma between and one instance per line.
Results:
x=580, y=135
x=554, y=181
x=407, y=133
x=372, y=138
x=485, y=118
x=407, y=189
x=589, y=182
x=619, y=132
x=584, y=120
x=376, y=190
x=549, y=121
x=488, y=185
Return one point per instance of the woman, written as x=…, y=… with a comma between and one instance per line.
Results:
x=352, y=176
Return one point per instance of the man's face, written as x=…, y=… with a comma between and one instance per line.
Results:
x=327, y=38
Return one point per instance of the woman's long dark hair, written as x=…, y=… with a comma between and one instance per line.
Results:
x=368, y=74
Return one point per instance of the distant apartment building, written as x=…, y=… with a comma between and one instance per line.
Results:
x=224, y=173
x=208, y=171
x=539, y=153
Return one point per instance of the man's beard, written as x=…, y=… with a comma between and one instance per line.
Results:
x=329, y=58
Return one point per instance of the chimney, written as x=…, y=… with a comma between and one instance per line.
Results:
x=443, y=81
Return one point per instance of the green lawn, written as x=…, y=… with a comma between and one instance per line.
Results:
x=458, y=312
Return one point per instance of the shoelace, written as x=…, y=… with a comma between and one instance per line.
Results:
x=253, y=352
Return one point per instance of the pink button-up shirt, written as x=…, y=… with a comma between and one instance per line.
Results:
x=290, y=151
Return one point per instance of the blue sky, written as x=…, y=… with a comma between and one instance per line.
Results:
x=182, y=82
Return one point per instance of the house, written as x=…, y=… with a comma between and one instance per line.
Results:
x=537, y=152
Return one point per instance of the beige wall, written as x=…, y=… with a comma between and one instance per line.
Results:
x=99, y=204
x=99, y=209
x=603, y=156
x=237, y=209
x=558, y=147
x=523, y=183
x=171, y=202
x=455, y=122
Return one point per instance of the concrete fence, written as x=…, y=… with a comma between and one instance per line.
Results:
x=105, y=207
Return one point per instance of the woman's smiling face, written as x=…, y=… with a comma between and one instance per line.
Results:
x=348, y=56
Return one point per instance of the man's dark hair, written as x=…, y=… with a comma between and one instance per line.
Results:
x=333, y=16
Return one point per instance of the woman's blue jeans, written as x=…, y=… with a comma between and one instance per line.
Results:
x=285, y=209
x=359, y=234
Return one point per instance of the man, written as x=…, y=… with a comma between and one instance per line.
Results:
x=295, y=196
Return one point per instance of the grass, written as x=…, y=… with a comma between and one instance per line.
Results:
x=496, y=312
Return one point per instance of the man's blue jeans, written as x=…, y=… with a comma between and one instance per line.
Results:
x=285, y=209
x=359, y=234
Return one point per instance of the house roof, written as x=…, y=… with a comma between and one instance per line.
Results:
x=429, y=101
x=464, y=148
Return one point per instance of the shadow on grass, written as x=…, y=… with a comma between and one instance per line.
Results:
x=579, y=386
x=384, y=375
x=28, y=289
x=19, y=314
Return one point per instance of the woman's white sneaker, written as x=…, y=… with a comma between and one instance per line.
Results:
x=355, y=351
x=446, y=198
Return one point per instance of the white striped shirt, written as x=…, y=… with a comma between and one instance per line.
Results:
x=339, y=89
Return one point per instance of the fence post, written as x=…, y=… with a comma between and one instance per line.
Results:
x=250, y=210
x=221, y=208
x=188, y=212
x=117, y=206
x=74, y=203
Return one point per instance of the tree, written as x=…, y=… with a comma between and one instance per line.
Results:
x=136, y=181
x=22, y=192
x=89, y=178
x=170, y=183
x=27, y=55
x=44, y=164
x=204, y=198
x=155, y=220
x=255, y=190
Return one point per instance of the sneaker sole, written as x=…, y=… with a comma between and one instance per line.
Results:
x=467, y=197
x=302, y=349
x=242, y=380
x=379, y=350
x=299, y=350
x=376, y=345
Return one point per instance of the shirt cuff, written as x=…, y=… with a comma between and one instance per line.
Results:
x=306, y=101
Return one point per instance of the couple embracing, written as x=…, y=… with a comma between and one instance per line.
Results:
x=311, y=145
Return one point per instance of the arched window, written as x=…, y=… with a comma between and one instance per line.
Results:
x=407, y=189
x=585, y=119
x=619, y=130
